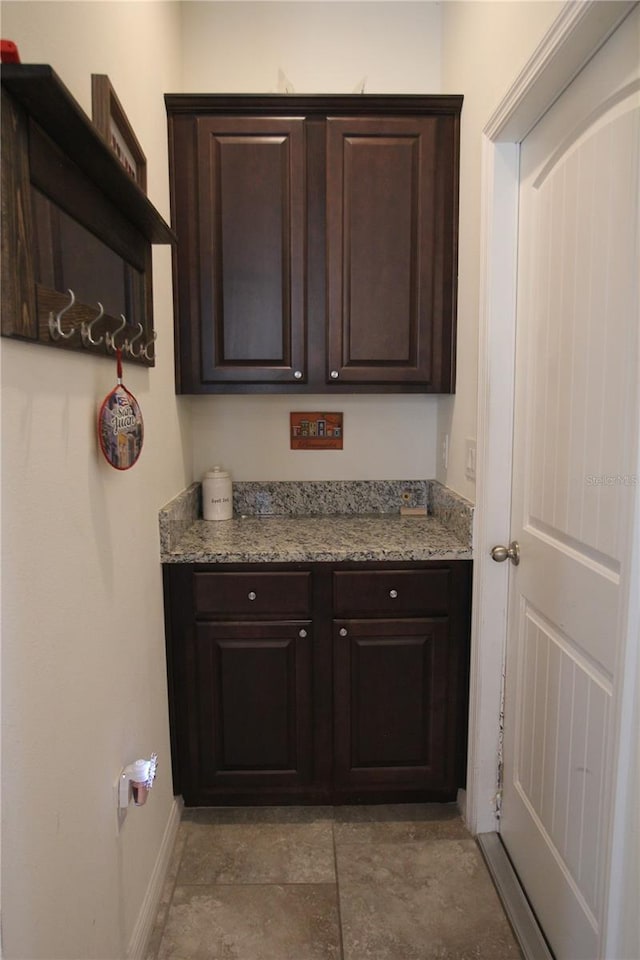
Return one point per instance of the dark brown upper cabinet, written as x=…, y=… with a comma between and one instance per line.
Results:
x=317, y=242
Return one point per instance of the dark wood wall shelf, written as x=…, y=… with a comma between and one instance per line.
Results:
x=72, y=218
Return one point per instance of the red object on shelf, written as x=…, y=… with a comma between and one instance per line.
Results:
x=9, y=52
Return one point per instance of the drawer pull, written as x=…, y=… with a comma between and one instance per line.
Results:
x=252, y=595
x=302, y=634
x=342, y=631
x=393, y=594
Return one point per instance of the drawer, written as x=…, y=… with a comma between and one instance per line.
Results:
x=387, y=592
x=249, y=594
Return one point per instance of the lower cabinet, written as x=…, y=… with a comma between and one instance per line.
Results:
x=318, y=683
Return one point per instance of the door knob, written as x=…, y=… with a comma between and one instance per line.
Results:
x=512, y=552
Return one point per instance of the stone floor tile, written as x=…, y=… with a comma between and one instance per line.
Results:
x=459, y=861
x=284, y=814
x=399, y=828
x=252, y=922
x=431, y=920
x=396, y=812
x=259, y=883
x=259, y=853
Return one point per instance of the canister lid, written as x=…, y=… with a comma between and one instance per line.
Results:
x=216, y=472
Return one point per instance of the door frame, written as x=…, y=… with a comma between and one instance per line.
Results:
x=575, y=36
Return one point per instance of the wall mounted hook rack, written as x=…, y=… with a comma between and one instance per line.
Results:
x=73, y=219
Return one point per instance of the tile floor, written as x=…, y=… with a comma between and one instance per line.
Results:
x=400, y=882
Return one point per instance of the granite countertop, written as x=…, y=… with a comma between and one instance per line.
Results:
x=444, y=534
x=308, y=539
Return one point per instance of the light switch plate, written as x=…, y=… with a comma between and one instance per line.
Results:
x=444, y=452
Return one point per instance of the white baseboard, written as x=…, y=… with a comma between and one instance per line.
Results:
x=148, y=910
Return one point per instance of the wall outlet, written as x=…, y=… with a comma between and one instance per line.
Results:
x=444, y=452
x=470, y=459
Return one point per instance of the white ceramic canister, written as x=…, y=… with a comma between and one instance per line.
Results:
x=217, y=496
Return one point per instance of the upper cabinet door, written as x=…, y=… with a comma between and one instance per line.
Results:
x=251, y=243
x=391, y=242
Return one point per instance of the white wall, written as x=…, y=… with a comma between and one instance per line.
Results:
x=484, y=46
x=84, y=684
x=388, y=438
x=320, y=48
x=231, y=47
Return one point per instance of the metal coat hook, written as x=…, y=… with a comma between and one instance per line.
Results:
x=86, y=329
x=128, y=344
x=110, y=338
x=145, y=350
x=55, y=323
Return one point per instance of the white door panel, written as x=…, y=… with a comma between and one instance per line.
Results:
x=575, y=590
x=573, y=487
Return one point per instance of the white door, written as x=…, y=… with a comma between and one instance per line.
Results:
x=573, y=487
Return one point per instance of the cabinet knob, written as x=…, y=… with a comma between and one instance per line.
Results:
x=342, y=631
x=334, y=374
x=298, y=375
x=302, y=634
x=393, y=594
x=252, y=595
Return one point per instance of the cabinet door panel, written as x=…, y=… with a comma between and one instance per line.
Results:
x=395, y=704
x=390, y=242
x=252, y=240
x=380, y=245
x=380, y=225
x=251, y=720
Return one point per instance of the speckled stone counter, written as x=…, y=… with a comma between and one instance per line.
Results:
x=309, y=539
x=348, y=520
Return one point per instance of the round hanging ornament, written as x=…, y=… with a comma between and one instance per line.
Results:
x=120, y=425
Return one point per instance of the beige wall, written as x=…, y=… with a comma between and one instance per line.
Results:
x=320, y=48
x=83, y=668
x=384, y=438
x=484, y=46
